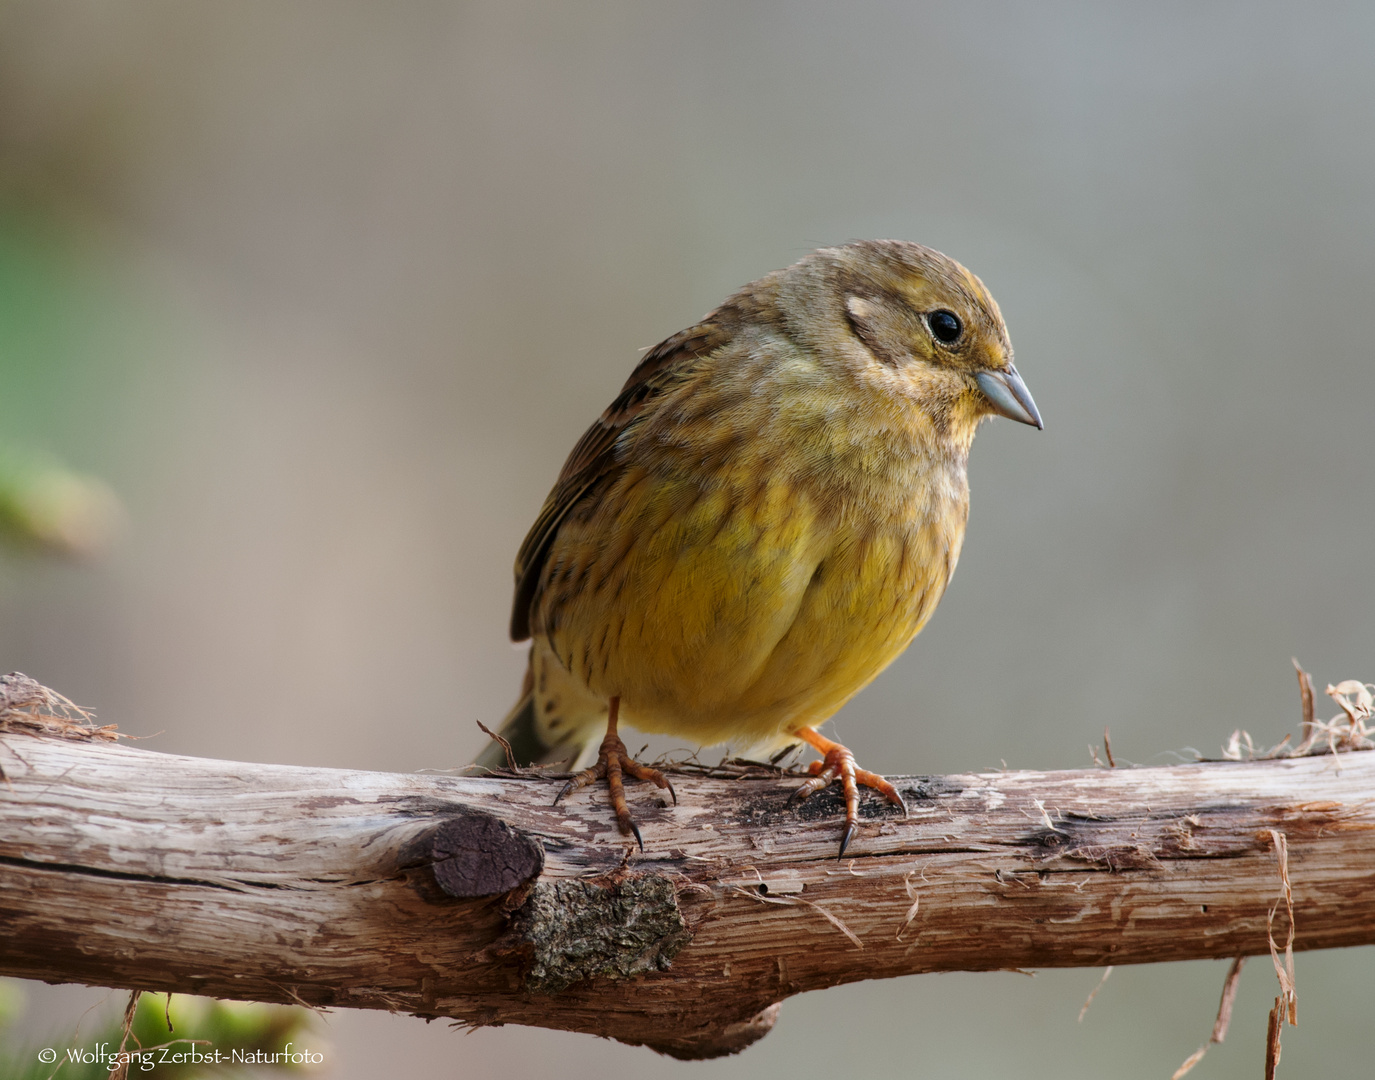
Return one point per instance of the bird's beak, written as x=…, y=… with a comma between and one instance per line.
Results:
x=1009, y=396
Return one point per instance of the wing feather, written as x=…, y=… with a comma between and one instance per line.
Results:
x=594, y=457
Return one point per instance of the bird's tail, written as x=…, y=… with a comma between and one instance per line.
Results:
x=554, y=721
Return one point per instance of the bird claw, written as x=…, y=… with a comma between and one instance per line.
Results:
x=838, y=763
x=581, y=780
x=613, y=760
x=821, y=778
x=644, y=772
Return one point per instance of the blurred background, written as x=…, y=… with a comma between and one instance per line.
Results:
x=324, y=293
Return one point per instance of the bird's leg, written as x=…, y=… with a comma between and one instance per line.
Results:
x=612, y=760
x=838, y=763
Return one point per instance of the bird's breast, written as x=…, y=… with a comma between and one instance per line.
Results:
x=728, y=588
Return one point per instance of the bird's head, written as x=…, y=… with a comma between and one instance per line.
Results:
x=910, y=323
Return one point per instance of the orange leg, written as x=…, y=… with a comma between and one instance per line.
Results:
x=837, y=763
x=612, y=760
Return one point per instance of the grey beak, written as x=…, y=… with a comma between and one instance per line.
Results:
x=1009, y=396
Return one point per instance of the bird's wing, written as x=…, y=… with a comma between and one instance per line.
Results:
x=594, y=456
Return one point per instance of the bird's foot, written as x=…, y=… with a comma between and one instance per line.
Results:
x=838, y=763
x=612, y=761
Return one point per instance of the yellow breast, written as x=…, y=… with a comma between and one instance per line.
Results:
x=754, y=565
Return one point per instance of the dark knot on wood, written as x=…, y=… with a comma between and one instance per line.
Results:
x=477, y=854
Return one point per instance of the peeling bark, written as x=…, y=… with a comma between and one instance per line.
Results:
x=123, y=867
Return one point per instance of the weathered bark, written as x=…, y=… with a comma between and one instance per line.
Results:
x=128, y=868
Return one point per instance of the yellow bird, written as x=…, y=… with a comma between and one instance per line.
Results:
x=763, y=519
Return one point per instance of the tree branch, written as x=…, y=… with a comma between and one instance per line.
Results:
x=128, y=868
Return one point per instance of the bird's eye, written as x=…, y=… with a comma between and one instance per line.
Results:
x=945, y=326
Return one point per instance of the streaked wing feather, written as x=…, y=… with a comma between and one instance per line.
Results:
x=594, y=456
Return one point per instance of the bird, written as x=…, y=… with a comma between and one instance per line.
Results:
x=762, y=520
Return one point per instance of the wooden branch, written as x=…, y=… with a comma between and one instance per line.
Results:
x=128, y=868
